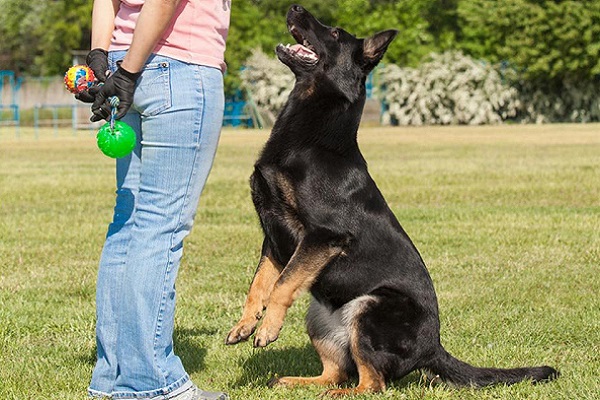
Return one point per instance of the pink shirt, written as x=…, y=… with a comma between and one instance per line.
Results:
x=196, y=34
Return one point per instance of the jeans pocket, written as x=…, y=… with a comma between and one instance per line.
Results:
x=153, y=92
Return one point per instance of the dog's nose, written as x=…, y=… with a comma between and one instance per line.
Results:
x=297, y=8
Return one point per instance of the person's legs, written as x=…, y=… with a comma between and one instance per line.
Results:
x=181, y=109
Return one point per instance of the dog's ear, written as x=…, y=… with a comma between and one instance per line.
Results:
x=374, y=48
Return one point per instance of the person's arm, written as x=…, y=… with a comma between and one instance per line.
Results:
x=103, y=17
x=103, y=22
x=154, y=18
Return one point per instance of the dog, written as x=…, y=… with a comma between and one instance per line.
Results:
x=328, y=229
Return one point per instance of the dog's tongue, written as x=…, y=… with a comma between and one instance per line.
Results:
x=302, y=51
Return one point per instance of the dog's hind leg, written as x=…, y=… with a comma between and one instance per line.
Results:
x=266, y=275
x=385, y=339
x=333, y=372
x=330, y=338
x=370, y=379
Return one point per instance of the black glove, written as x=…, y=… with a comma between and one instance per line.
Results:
x=97, y=60
x=120, y=84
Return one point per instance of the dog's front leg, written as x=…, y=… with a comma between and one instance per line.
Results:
x=298, y=275
x=266, y=275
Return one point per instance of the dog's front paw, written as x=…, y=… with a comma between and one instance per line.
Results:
x=265, y=335
x=242, y=331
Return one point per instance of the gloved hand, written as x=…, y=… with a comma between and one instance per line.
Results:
x=120, y=84
x=97, y=60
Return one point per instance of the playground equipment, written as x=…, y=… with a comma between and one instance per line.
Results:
x=240, y=112
x=9, y=113
x=43, y=103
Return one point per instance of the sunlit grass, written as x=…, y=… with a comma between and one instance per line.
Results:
x=507, y=219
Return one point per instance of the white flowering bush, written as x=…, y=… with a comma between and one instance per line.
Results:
x=268, y=83
x=451, y=88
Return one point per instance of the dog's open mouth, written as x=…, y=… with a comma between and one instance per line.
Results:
x=302, y=51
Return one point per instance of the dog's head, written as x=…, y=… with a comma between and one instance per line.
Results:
x=329, y=53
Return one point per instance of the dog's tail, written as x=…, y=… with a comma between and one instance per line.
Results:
x=457, y=372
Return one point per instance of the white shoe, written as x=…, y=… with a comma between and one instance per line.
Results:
x=194, y=393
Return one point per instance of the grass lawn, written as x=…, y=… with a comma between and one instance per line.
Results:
x=507, y=219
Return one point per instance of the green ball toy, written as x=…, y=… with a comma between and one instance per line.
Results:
x=116, y=141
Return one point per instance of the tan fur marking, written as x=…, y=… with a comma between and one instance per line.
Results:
x=289, y=194
x=301, y=271
x=332, y=374
x=289, y=197
x=369, y=381
x=261, y=287
x=304, y=267
x=266, y=275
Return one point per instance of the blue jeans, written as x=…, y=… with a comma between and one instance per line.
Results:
x=177, y=114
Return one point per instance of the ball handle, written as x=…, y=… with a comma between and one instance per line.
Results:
x=114, y=103
x=116, y=139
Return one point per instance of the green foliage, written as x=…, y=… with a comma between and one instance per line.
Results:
x=249, y=29
x=71, y=24
x=38, y=36
x=364, y=18
x=261, y=24
x=552, y=45
x=15, y=33
x=546, y=40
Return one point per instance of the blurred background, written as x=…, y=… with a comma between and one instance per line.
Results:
x=453, y=62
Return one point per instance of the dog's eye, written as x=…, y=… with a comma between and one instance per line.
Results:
x=335, y=33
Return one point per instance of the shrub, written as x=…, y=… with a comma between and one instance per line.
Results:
x=451, y=88
x=268, y=82
x=569, y=101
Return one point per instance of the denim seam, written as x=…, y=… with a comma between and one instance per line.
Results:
x=202, y=95
x=184, y=207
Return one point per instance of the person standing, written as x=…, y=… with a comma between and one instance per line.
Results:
x=164, y=60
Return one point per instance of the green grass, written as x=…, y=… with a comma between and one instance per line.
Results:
x=507, y=219
x=45, y=115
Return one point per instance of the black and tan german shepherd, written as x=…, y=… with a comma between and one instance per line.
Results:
x=329, y=230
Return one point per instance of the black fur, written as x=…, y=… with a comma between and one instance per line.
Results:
x=378, y=284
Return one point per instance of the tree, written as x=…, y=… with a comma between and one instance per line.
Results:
x=261, y=24
x=544, y=39
x=14, y=30
x=38, y=36
x=366, y=17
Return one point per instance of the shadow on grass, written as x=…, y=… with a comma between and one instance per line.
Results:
x=187, y=347
x=264, y=364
